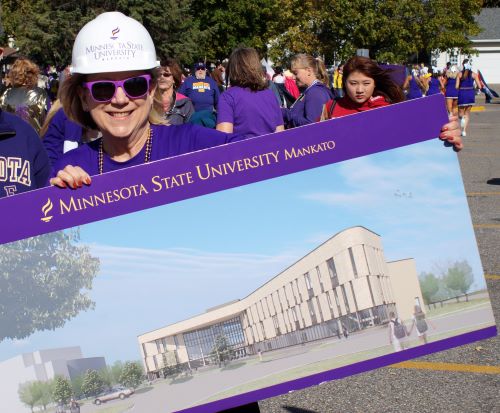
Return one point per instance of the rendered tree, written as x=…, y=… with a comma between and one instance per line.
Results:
x=62, y=390
x=429, y=285
x=92, y=383
x=459, y=277
x=30, y=394
x=221, y=350
x=46, y=389
x=132, y=375
x=44, y=282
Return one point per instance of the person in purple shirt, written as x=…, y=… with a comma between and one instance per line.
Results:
x=204, y=93
x=248, y=107
x=115, y=97
x=310, y=74
x=24, y=164
x=60, y=134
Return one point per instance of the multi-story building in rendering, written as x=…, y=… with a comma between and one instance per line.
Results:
x=344, y=284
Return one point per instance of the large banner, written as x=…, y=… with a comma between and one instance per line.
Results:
x=313, y=254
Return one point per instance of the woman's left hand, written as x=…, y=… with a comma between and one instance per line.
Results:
x=451, y=133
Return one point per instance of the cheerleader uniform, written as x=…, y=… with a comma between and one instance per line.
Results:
x=434, y=87
x=466, y=93
x=414, y=92
x=451, y=88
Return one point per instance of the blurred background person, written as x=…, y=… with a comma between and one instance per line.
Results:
x=451, y=92
x=248, y=107
x=311, y=75
x=434, y=82
x=176, y=107
x=204, y=93
x=413, y=84
x=24, y=97
x=466, y=94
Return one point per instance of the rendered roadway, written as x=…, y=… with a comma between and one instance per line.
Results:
x=463, y=379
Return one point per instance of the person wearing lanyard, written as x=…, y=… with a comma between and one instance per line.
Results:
x=310, y=74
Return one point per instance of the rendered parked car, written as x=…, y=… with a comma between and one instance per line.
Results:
x=112, y=394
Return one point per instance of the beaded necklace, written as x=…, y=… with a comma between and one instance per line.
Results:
x=147, y=154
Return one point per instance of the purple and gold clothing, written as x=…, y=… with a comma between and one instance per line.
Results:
x=167, y=141
x=24, y=164
x=204, y=93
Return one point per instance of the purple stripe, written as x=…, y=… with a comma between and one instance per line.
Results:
x=344, y=371
x=354, y=136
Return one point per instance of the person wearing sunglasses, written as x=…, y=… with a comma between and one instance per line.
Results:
x=176, y=107
x=112, y=91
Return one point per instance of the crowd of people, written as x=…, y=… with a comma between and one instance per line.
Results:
x=127, y=108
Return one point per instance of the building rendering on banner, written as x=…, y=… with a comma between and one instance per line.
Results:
x=42, y=365
x=345, y=283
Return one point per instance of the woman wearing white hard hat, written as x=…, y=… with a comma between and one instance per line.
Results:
x=111, y=90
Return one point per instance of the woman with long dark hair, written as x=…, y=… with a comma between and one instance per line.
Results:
x=368, y=86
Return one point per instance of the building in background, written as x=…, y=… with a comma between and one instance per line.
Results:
x=345, y=283
x=487, y=43
x=42, y=365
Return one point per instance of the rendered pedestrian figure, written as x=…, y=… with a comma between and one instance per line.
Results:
x=421, y=324
x=345, y=331
x=397, y=332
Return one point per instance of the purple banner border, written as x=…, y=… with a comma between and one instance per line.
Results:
x=344, y=371
x=51, y=209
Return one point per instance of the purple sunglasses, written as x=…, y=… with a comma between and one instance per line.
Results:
x=104, y=90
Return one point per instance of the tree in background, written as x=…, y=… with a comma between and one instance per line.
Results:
x=222, y=351
x=429, y=286
x=227, y=24
x=111, y=374
x=132, y=374
x=92, y=383
x=392, y=30
x=459, y=277
x=62, y=391
x=44, y=282
x=45, y=30
x=30, y=394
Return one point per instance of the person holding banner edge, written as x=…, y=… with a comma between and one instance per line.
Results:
x=111, y=90
x=368, y=86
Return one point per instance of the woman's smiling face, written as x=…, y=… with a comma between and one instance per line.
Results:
x=122, y=116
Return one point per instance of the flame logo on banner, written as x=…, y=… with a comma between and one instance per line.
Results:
x=46, y=209
x=114, y=32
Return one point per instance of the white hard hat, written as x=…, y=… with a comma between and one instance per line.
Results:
x=113, y=42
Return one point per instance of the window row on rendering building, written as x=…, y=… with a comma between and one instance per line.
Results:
x=344, y=284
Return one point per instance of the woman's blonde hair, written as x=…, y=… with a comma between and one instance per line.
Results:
x=73, y=108
x=305, y=61
x=24, y=73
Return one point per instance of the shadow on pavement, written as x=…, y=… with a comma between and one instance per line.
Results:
x=182, y=379
x=292, y=409
x=233, y=366
x=144, y=390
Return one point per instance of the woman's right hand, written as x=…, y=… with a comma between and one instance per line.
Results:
x=72, y=177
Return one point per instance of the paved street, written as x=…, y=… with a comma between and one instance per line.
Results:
x=180, y=395
x=412, y=390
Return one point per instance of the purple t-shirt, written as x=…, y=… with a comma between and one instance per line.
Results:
x=167, y=141
x=251, y=113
